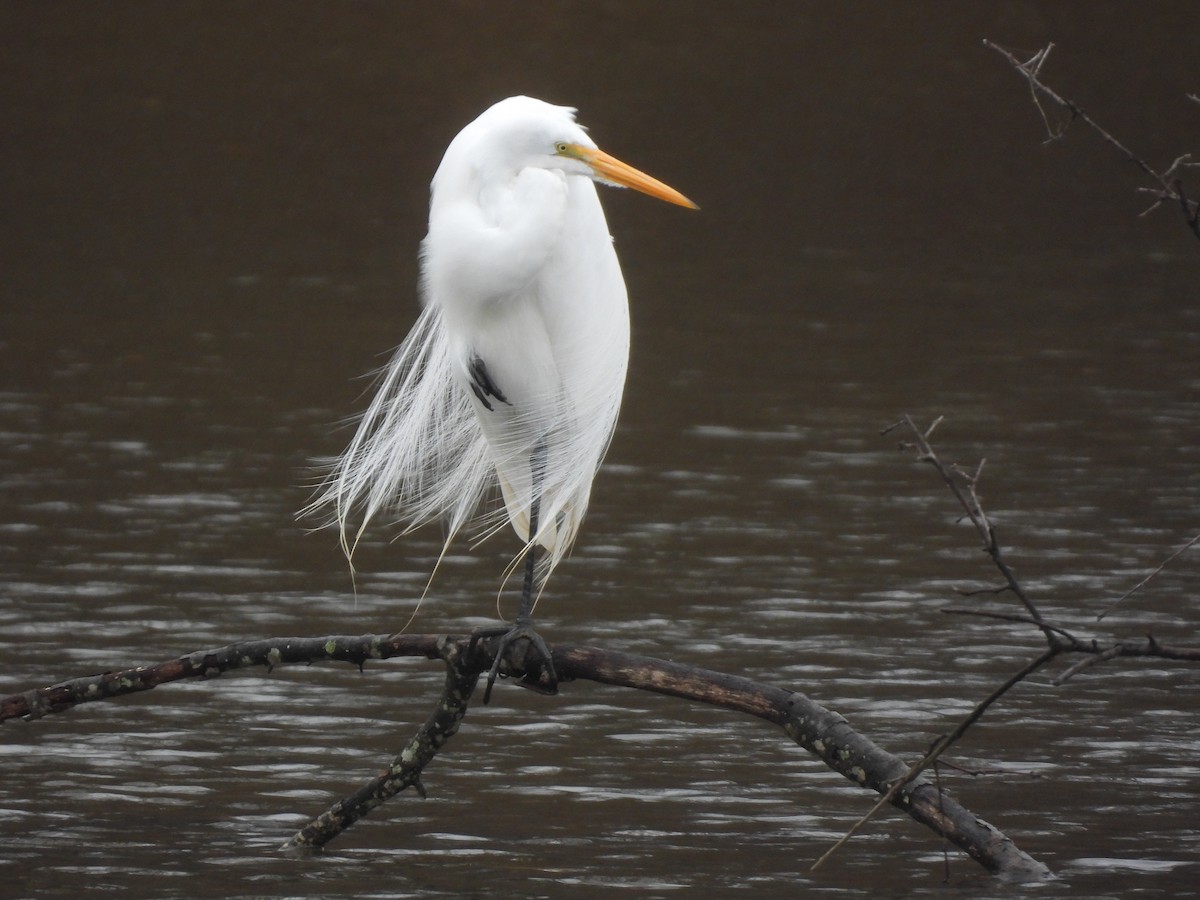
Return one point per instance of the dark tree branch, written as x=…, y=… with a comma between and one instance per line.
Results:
x=819, y=730
x=1169, y=189
x=1009, y=617
x=824, y=733
x=1067, y=642
x=1059, y=640
x=211, y=663
x=405, y=770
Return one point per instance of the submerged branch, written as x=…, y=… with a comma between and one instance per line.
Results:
x=963, y=485
x=824, y=733
x=1141, y=584
x=1059, y=639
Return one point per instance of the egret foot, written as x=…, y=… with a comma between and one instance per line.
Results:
x=534, y=661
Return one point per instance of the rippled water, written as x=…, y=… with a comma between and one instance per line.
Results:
x=207, y=246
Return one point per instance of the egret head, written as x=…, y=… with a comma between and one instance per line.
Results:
x=521, y=132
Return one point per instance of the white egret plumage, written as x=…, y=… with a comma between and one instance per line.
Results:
x=514, y=371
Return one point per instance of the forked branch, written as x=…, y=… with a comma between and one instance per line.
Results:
x=819, y=730
x=405, y=770
x=963, y=485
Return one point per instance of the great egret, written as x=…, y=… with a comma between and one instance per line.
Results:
x=514, y=371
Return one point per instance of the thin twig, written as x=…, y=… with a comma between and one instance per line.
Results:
x=941, y=745
x=1087, y=662
x=1013, y=617
x=1035, y=66
x=963, y=486
x=1137, y=587
x=979, y=591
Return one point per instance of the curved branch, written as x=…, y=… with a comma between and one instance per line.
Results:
x=825, y=733
x=822, y=732
x=269, y=653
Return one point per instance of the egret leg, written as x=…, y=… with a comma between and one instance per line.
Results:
x=545, y=679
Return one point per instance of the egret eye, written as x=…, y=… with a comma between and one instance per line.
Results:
x=561, y=148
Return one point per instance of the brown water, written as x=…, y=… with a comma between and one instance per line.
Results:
x=208, y=231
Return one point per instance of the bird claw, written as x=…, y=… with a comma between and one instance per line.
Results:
x=536, y=663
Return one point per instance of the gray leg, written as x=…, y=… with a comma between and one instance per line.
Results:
x=544, y=679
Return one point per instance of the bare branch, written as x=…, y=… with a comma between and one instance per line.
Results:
x=1169, y=185
x=826, y=734
x=1072, y=641
x=1057, y=637
x=1086, y=663
x=975, y=592
x=964, y=489
x=211, y=663
x=829, y=736
x=1034, y=65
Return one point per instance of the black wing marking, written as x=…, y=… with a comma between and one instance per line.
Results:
x=482, y=385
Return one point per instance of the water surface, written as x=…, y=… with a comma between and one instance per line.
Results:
x=209, y=236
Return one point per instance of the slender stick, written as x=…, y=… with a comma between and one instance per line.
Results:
x=1137, y=587
x=941, y=745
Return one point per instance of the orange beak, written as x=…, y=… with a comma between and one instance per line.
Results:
x=612, y=170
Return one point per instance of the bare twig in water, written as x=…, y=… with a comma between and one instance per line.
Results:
x=1169, y=184
x=1058, y=638
x=1010, y=617
x=1087, y=662
x=964, y=486
x=1137, y=587
x=405, y=770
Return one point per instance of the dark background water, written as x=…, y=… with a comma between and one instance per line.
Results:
x=208, y=234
